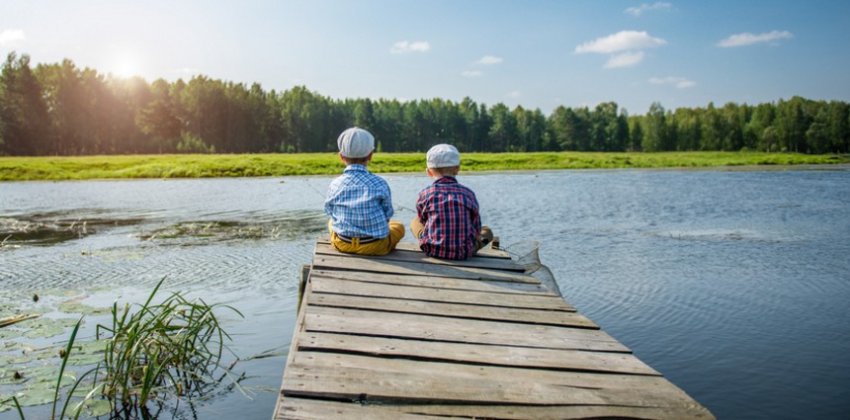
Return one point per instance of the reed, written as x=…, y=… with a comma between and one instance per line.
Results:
x=152, y=352
x=170, y=348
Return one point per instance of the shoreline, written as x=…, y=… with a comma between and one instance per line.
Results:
x=463, y=173
x=126, y=167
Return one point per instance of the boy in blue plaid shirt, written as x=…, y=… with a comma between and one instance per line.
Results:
x=359, y=203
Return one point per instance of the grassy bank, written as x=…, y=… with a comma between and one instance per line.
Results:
x=205, y=166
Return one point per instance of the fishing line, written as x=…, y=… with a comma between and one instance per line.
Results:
x=320, y=194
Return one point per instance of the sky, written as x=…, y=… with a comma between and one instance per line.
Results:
x=533, y=53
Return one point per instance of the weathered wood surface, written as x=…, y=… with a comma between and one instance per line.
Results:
x=412, y=246
x=351, y=263
x=408, y=337
x=462, y=310
x=420, y=257
x=328, y=285
x=492, y=286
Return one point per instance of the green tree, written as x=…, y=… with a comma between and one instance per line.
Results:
x=608, y=130
x=635, y=141
x=23, y=111
x=712, y=129
x=503, y=131
x=471, y=119
x=159, y=120
x=570, y=128
x=754, y=131
x=363, y=114
x=792, y=124
x=818, y=134
x=688, y=129
x=389, y=117
x=307, y=121
x=655, y=129
x=838, y=121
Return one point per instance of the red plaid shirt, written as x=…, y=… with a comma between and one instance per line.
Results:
x=449, y=212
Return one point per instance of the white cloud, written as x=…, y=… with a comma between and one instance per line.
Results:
x=514, y=94
x=678, y=82
x=626, y=59
x=746, y=38
x=621, y=41
x=489, y=60
x=471, y=73
x=639, y=10
x=9, y=36
x=402, y=47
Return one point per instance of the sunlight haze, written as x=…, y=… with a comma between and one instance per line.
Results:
x=539, y=54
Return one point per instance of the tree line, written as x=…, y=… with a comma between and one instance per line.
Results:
x=60, y=109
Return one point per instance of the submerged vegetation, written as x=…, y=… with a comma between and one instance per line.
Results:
x=53, y=227
x=206, y=232
x=146, y=358
x=250, y=165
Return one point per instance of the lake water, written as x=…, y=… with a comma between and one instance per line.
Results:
x=734, y=284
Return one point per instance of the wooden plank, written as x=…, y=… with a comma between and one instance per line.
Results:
x=574, y=379
x=372, y=379
x=457, y=310
x=328, y=285
x=311, y=409
x=411, y=268
x=476, y=353
x=420, y=257
x=552, y=412
x=434, y=328
x=486, y=252
x=439, y=282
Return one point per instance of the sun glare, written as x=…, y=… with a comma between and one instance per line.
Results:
x=125, y=65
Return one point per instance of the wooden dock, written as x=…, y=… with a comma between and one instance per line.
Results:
x=406, y=336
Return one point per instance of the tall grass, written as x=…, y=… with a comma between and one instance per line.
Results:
x=170, y=348
x=206, y=166
x=152, y=353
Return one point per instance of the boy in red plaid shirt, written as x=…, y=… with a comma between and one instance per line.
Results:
x=447, y=223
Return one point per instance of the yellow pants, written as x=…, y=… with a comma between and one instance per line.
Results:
x=380, y=247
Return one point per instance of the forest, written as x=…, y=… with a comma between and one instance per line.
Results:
x=61, y=109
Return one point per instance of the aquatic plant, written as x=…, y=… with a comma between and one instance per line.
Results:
x=65, y=355
x=207, y=232
x=171, y=348
x=147, y=354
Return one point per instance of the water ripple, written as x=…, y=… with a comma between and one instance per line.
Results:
x=733, y=284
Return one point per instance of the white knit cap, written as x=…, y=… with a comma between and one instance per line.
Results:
x=443, y=156
x=355, y=143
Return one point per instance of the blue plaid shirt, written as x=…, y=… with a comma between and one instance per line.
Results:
x=359, y=203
